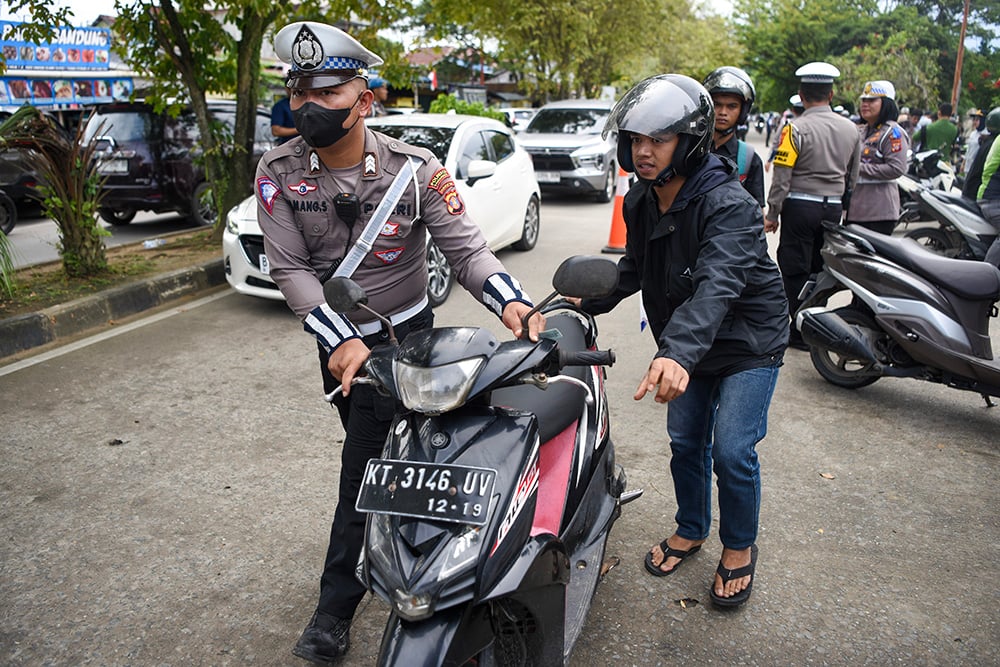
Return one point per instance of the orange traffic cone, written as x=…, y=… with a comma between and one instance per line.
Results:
x=616, y=239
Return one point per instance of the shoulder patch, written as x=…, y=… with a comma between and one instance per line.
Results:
x=267, y=192
x=787, y=154
x=442, y=184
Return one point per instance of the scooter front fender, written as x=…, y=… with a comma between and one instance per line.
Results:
x=436, y=641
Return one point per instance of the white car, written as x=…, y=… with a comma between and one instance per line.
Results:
x=493, y=175
x=518, y=117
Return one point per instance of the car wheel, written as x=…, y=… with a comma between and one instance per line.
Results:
x=532, y=223
x=116, y=216
x=8, y=214
x=203, y=210
x=610, y=185
x=439, y=276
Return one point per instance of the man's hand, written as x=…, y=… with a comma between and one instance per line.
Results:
x=512, y=315
x=770, y=225
x=346, y=360
x=666, y=377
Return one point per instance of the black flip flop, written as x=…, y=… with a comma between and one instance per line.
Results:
x=668, y=552
x=728, y=575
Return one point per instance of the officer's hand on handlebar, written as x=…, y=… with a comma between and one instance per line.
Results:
x=346, y=361
x=666, y=377
x=512, y=316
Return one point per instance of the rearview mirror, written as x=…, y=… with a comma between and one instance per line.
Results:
x=586, y=277
x=343, y=294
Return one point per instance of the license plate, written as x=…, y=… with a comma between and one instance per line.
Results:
x=441, y=492
x=547, y=176
x=113, y=167
x=263, y=264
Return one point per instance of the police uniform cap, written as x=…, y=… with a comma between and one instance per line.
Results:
x=795, y=100
x=875, y=89
x=817, y=72
x=321, y=55
x=376, y=82
x=975, y=112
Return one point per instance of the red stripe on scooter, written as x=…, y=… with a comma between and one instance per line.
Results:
x=554, y=462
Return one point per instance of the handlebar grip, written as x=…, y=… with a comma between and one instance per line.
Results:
x=587, y=358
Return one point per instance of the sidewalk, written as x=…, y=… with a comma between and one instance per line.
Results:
x=64, y=321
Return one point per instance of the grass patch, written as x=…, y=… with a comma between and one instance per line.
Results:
x=45, y=285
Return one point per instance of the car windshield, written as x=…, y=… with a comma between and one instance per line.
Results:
x=568, y=121
x=125, y=126
x=434, y=139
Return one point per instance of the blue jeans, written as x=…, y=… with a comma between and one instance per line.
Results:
x=717, y=423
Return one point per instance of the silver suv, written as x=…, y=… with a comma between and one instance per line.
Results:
x=564, y=140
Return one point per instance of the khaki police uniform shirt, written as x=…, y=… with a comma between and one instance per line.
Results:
x=883, y=160
x=303, y=236
x=818, y=154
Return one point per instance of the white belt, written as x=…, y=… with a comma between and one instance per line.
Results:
x=370, y=328
x=804, y=196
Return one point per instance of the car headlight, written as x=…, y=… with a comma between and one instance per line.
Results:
x=232, y=222
x=435, y=389
x=589, y=160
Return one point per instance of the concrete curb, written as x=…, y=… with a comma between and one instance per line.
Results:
x=23, y=332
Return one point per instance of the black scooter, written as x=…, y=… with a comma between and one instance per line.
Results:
x=914, y=314
x=490, y=509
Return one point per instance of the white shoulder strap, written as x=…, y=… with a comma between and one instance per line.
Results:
x=385, y=208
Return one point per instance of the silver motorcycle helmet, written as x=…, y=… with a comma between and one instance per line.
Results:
x=733, y=81
x=667, y=104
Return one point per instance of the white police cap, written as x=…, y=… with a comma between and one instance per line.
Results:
x=817, y=72
x=321, y=55
x=875, y=89
x=795, y=100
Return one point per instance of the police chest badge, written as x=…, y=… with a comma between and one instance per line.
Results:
x=307, y=52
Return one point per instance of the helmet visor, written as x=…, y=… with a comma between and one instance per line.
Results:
x=656, y=107
x=728, y=82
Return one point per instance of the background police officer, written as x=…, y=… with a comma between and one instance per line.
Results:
x=316, y=195
x=815, y=169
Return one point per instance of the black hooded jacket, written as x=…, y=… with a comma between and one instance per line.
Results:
x=713, y=296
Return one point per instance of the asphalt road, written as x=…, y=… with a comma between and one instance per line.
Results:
x=167, y=491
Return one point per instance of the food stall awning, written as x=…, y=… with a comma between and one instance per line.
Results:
x=58, y=87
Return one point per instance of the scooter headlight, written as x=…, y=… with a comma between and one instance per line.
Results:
x=436, y=389
x=412, y=607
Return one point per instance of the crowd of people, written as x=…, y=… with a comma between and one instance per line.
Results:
x=696, y=248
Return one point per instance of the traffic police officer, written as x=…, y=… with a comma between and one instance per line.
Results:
x=815, y=169
x=884, y=144
x=316, y=195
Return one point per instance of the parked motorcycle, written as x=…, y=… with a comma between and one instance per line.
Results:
x=926, y=170
x=914, y=314
x=962, y=231
x=490, y=510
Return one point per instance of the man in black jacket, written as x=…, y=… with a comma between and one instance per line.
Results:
x=696, y=248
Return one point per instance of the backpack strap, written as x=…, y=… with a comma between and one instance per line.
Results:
x=742, y=159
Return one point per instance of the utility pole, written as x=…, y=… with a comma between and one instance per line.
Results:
x=958, y=61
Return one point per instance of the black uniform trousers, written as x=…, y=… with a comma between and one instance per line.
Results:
x=800, y=243
x=366, y=417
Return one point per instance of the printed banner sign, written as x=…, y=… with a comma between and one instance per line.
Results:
x=15, y=91
x=73, y=48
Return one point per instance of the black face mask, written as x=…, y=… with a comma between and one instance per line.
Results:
x=321, y=127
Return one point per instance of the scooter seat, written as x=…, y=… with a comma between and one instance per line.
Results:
x=553, y=407
x=968, y=278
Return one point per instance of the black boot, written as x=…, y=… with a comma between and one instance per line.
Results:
x=324, y=640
